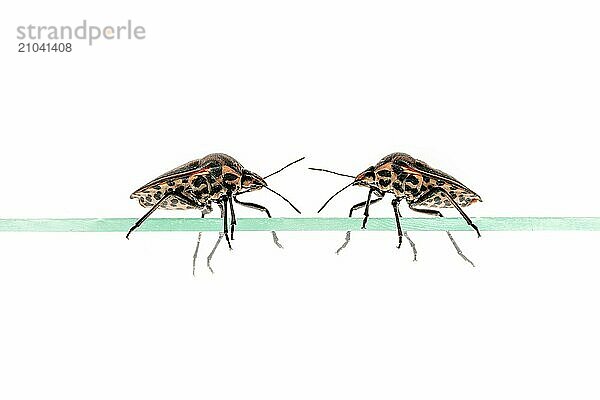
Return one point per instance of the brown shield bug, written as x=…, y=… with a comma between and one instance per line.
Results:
x=407, y=178
x=216, y=178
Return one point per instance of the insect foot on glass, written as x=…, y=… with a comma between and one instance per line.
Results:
x=197, y=185
x=422, y=187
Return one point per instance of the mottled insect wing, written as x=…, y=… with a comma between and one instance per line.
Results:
x=458, y=191
x=181, y=171
x=197, y=175
x=429, y=178
x=178, y=177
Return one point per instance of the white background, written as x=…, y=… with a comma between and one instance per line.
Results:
x=502, y=95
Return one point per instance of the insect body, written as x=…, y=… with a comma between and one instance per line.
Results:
x=216, y=178
x=414, y=181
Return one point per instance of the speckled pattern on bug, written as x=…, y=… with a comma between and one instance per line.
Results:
x=414, y=181
x=216, y=178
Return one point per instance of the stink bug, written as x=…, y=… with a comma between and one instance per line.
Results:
x=216, y=178
x=407, y=178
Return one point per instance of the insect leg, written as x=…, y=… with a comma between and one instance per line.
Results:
x=366, y=214
x=260, y=208
x=352, y=209
x=233, y=220
x=397, y=215
x=439, y=214
x=458, y=208
x=212, y=252
x=192, y=201
x=145, y=217
x=225, y=228
x=396, y=206
x=196, y=251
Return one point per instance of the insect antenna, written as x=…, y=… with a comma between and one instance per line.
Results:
x=335, y=194
x=287, y=201
x=331, y=172
x=281, y=169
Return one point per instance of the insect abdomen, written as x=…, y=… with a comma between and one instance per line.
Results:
x=462, y=195
x=193, y=186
